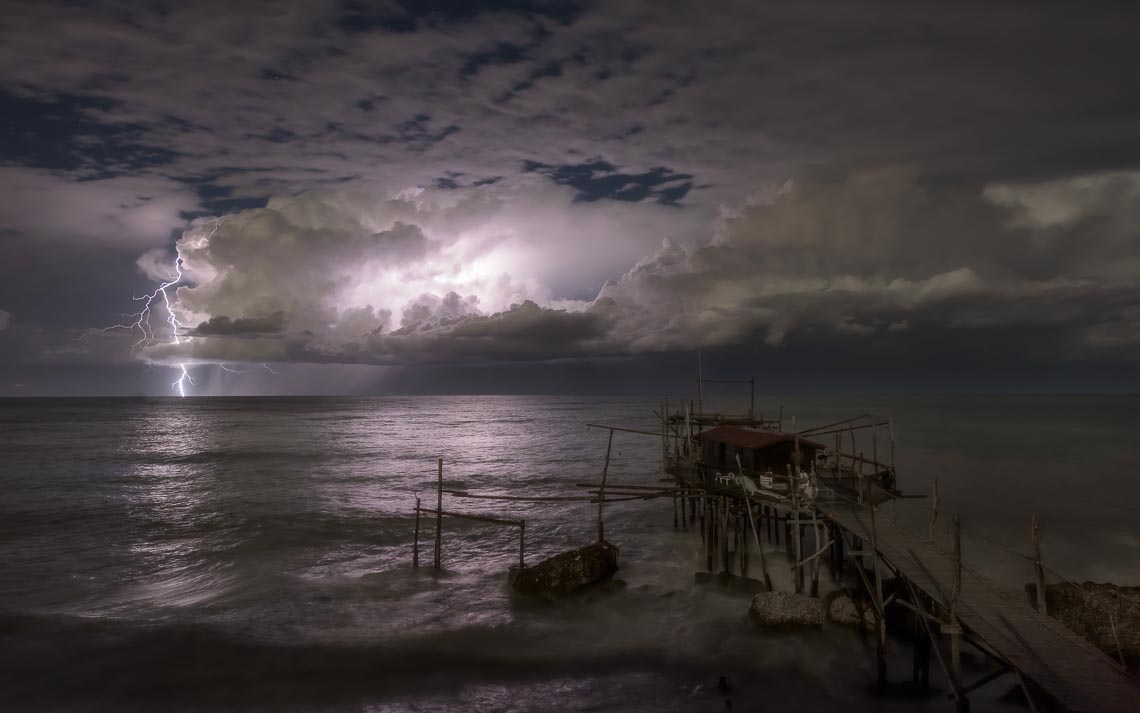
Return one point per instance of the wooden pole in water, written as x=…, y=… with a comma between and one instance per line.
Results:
x=797, y=572
x=602, y=490
x=933, y=511
x=684, y=515
x=756, y=534
x=416, y=537
x=891, y=426
x=955, y=628
x=724, y=561
x=1038, y=570
x=700, y=386
x=710, y=535
x=881, y=634
x=439, y=515
x=815, y=529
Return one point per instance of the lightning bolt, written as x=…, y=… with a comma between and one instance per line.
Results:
x=140, y=322
x=142, y=319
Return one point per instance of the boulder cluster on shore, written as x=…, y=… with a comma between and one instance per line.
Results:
x=1106, y=615
x=568, y=572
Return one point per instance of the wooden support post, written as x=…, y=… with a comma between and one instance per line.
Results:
x=851, y=430
x=700, y=386
x=838, y=450
x=684, y=515
x=674, y=510
x=744, y=554
x=797, y=570
x=815, y=529
x=602, y=490
x=922, y=643
x=1038, y=570
x=724, y=561
x=708, y=540
x=439, y=515
x=416, y=537
x=933, y=511
x=891, y=426
x=838, y=551
x=955, y=629
x=705, y=508
x=760, y=549
x=881, y=637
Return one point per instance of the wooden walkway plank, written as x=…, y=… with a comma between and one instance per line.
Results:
x=1044, y=651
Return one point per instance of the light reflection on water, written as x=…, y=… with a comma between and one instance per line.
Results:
x=212, y=540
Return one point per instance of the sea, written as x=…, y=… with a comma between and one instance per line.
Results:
x=255, y=554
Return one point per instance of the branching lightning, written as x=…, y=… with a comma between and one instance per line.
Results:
x=141, y=321
x=142, y=325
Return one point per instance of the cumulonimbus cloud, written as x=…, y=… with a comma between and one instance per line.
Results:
x=420, y=277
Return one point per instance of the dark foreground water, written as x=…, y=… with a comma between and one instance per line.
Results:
x=254, y=554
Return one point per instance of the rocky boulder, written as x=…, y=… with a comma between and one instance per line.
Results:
x=1086, y=610
x=568, y=572
x=784, y=609
x=844, y=609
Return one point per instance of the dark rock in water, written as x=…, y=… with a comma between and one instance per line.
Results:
x=842, y=607
x=783, y=609
x=1091, y=609
x=568, y=572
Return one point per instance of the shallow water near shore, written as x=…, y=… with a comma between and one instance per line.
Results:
x=255, y=553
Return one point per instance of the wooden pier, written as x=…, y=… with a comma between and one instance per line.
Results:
x=732, y=465
x=1045, y=656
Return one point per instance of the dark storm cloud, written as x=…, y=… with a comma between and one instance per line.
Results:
x=1011, y=131
x=271, y=324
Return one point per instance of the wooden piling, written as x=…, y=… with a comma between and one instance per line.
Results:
x=891, y=426
x=416, y=537
x=818, y=542
x=933, y=511
x=708, y=532
x=1038, y=570
x=439, y=514
x=955, y=629
x=602, y=490
x=724, y=561
x=881, y=634
x=797, y=569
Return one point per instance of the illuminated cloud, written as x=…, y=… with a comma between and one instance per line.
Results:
x=502, y=271
x=462, y=275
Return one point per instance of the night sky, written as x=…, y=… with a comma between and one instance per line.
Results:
x=513, y=196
